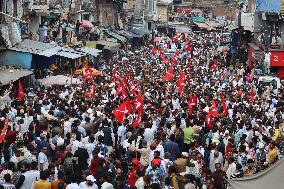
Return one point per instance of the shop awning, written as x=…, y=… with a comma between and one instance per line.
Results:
x=71, y=53
x=205, y=26
x=213, y=24
x=128, y=34
x=109, y=45
x=12, y=75
x=36, y=47
x=139, y=31
x=116, y=36
x=90, y=51
x=198, y=19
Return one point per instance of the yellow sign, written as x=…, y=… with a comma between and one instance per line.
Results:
x=130, y=4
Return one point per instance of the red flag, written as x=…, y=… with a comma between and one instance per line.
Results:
x=128, y=76
x=138, y=119
x=114, y=75
x=160, y=51
x=164, y=59
x=4, y=130
x=251, y=95
x=174, y=61
x=191, y=103
x=90, y=94
x=153, y=50
x=121, y=111
x=21, y=94
x=188, y=48
x=169, y=75
x=87, y=69
x=213, y=67
x=138, y=103
x=180, y=82
x=119, y=89
x=225, y=109
x=214, y=110
x=240, y=92
x=209, y=120
x=123, y=94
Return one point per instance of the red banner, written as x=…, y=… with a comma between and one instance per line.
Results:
x=183, y=11
x=277, y=58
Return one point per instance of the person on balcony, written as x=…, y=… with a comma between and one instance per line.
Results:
x=276, y=39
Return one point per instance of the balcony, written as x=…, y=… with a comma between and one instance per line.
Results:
x=87, y=6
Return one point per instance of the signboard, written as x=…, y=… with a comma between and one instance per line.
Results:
x=40, y=4
x=183, y=11
x=247, y=21
x=277, y=58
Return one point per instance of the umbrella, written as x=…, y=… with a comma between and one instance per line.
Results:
x=58, y=80
x=86, y=24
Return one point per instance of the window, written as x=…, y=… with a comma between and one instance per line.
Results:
x=275, y=35
x=15, y=8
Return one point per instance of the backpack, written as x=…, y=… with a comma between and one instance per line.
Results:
x=68, y=165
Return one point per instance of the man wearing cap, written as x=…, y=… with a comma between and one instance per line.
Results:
x=155, y=171
x=89, y=183
x=260, y=155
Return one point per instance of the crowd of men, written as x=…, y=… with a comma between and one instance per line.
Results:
x=174, y=114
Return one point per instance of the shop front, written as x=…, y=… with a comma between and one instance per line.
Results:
x=255, y=55
x=277, y=60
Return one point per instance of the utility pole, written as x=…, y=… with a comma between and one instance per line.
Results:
x=15, y=18
x=143, y=16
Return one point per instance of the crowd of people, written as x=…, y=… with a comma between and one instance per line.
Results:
x=174, y=114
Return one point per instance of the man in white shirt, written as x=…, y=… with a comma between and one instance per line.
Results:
x=121, y=132
x=89, y=183
x=76, y=143
x=42, y=159
x=232, y=167
x=73, y=184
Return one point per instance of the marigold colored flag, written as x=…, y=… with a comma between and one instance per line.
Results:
x=121, y=111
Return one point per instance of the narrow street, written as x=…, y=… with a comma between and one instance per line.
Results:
x=141, y=94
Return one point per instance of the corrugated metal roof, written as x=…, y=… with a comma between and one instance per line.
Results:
x=36, y=47
x=108, y=44
x=90, y=51
x=70, y=53
x=13, y=75
x=116, y=36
